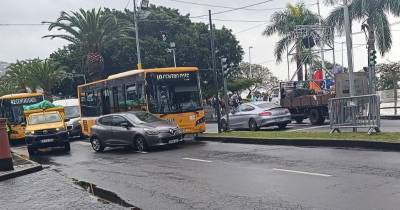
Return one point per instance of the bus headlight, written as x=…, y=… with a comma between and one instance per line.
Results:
x=29, y=132
x=150, y=131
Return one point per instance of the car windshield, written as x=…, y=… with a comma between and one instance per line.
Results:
x=267, y=105
x=71, y=112
x=173, y=92
x=143, y=117
x=44, y=118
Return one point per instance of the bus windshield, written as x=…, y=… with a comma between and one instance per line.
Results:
x=173, y=92
x=13, y=110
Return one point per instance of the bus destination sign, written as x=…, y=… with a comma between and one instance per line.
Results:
x=20, y=101
x=178, y=76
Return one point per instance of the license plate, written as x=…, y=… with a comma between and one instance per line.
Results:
x=46, y=140
x=173, y=141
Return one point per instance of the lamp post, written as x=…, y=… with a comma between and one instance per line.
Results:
x=251, y=74
x=143, y=4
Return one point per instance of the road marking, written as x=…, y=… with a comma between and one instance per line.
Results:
x=82, y=142
x=301, y=172
x=199, y=160
x=310, y=128
x=142, y=152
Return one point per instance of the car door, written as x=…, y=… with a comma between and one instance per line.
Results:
x=104, y=129
x=122, y=132
x=245, y=113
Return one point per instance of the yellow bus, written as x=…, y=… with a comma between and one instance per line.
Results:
x=11, y=107
x=171, y=93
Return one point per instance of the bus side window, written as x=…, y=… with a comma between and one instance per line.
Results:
x=133, y=100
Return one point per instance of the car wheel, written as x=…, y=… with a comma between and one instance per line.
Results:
x=140, y=144
x=224, y=125
x=31, y=151
x=96, y=144
x=282, y=126
x=253, y=125
x=67, y=147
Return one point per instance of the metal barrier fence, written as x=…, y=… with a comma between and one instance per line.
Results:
x=355, y=112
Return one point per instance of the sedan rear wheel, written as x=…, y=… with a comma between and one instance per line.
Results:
x=140, y=144
x=96, y=144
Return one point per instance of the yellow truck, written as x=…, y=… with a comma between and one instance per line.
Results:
x=46, y=128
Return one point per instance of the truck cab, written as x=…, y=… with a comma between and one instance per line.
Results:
x=46, y=128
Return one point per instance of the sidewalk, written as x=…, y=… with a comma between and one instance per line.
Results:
x=47, y=190
x=22, y=167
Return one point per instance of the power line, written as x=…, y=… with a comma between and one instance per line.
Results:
x=253, y=27
x=234, y=9
x=226, y=7
x=24, y=24
x=127, y=4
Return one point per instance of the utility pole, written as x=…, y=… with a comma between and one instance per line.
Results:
x=251, y=74
x=139, y=60
x=321, y=44
x=349, y=47
x=217, y=105
x=343, y=55
x=172, y=45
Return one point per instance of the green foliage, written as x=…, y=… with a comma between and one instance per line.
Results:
x=32, y=74
x=389, y=74
x=374, y=13
x=283, y=23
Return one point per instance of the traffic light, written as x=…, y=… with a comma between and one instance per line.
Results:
x=224, y=66
x=372, y=58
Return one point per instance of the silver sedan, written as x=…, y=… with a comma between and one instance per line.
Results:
x=255, y=115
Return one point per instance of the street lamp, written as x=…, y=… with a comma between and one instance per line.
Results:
x=251, y=74
x=143, y=4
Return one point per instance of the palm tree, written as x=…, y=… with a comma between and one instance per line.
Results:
x=45, y=74
x=17, y=74
x=92, y=31
x=283, y=24
x=374, y=14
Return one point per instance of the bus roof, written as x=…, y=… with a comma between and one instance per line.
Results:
x=155, y=70
x=20, y=95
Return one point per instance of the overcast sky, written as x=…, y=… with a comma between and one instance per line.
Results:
x=23, y=42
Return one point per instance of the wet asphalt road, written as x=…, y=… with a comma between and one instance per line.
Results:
x=211, y=175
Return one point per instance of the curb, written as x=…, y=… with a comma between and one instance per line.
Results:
x=25, y=171
x=308, y=142
x=390, y=117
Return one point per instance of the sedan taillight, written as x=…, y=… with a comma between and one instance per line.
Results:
x=265, y=114
x=287, y=111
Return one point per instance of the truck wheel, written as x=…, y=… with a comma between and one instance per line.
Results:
x=31, y=151
x=299, y=120
x=67, y=147
x=316, y=118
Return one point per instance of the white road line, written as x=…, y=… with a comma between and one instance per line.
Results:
x=302, y=172
x=310, y=128
x=81, y=142
x=199, y=160
x=142, y=152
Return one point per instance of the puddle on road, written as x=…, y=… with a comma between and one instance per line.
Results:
x=104, y=195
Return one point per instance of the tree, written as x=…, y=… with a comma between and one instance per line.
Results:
x=32, y=74
x=374, y=15
x=389, y=75
x=92, y=31
x=260, y=79
x=283, y=23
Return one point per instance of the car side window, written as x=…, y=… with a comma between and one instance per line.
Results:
x=106, y=121
x=245, y=108
x=118, y=121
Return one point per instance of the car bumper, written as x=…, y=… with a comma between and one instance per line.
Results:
x=275, y=121
x=75, y=132
x=164, y=139
x=48, y=140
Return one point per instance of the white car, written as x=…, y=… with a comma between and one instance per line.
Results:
x=72, y=116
